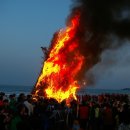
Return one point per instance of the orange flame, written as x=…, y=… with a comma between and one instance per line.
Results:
x=58, y=77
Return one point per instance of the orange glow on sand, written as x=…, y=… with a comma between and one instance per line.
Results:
x=58, y=76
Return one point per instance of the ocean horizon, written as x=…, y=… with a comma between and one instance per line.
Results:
x=17, y=89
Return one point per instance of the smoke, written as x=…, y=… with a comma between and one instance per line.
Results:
x=103, y=25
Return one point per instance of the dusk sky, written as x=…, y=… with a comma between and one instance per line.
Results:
x=26, y=25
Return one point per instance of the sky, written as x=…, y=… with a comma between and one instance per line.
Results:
x=26, y=25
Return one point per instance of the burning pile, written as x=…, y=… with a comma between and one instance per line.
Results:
x=58, y=76
x=92, y=27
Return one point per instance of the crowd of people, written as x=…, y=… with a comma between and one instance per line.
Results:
x=88, y=112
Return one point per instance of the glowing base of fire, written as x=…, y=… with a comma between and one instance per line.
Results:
x=61, y=95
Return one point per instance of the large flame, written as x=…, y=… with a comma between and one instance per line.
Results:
x=58, y=76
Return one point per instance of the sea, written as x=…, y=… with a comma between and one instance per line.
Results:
x=17, y=89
